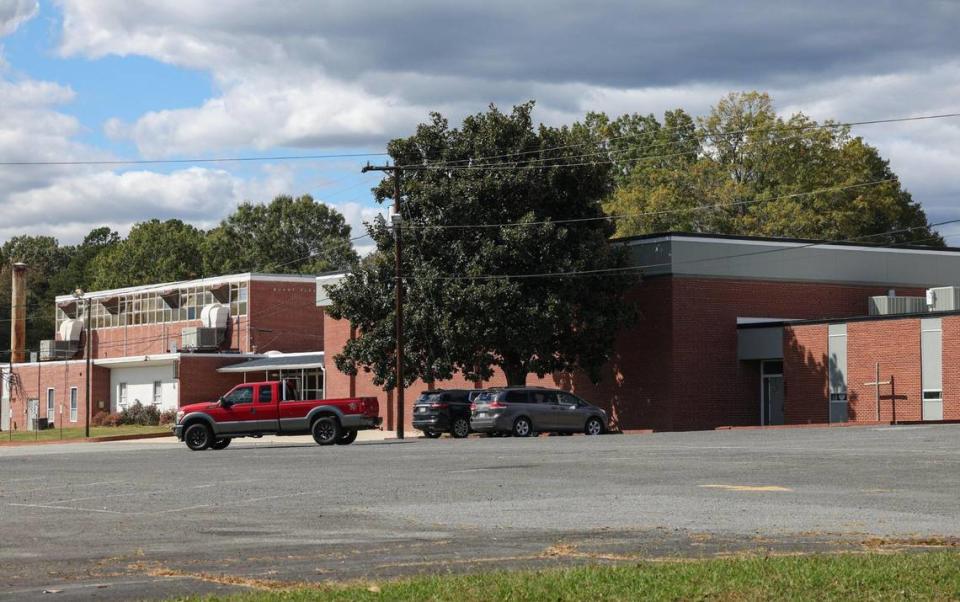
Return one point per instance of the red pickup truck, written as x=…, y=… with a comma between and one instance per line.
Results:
x=274, y=408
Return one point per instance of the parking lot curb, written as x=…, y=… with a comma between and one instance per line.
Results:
x=103, y=439
x=815, y=425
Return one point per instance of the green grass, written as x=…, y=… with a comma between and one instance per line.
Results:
x=77, y=432
x=901, y=576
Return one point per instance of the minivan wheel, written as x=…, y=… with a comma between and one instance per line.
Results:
x=325, y=430
x=522, y=427
x=460, y=428
x=198, y=437
x=593, y=426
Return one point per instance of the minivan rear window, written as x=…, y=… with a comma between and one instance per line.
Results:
x=486, y=396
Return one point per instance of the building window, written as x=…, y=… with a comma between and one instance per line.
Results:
x=157, y=392
x=73, y=404
x=51, y=407
x=122, y=395
x=933, y=395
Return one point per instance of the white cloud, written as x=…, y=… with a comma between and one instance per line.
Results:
x=14, y=13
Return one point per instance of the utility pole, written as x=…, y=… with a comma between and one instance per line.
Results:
x=398, y=313
x=88, y=331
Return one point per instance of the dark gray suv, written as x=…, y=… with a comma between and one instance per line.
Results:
x=525, y=411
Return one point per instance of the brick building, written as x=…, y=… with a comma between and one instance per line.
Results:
x=163, y=345
x=712, y=345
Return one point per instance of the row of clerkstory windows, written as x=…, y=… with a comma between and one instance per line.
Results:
x=158, y=306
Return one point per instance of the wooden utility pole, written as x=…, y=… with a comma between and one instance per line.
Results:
x=398, y=270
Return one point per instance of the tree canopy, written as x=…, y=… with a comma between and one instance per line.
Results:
x=479, y=244
x=744, y=170
x=154, y=251
x=286, y=235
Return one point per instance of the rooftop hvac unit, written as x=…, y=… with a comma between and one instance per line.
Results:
x=215, y=315
x=197, y=339
x=58, y=350
x=887, y=306
x=943, y=298
x=70, y=330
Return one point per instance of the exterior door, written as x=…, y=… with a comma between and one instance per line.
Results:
x=932, y=405
x=773, y=398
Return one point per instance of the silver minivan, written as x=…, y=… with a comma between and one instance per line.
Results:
x=525, y=411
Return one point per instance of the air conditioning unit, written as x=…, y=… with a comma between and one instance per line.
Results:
x=886, y=305
x=943, y=298
x=196, y=339
x=51, y=350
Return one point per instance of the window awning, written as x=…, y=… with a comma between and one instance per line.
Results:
x=291, y=361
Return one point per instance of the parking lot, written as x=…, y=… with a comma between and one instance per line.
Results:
x=152, y=519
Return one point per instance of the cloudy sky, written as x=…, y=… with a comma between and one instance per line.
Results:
x=175, y=79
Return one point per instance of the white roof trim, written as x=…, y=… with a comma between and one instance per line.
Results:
x=231, y=278
x=790, y=244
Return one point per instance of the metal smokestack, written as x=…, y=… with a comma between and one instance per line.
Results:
x=18, y=314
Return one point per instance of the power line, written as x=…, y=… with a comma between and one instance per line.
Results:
x=627, y=269
x=452, y=164
x=193, y=160
x=648, y=213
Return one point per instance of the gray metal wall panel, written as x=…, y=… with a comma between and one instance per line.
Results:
x=794, y=261
x=760, y=343
x=837, y=364
x=931, y=354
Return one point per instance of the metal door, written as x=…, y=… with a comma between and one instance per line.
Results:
x=773, y=398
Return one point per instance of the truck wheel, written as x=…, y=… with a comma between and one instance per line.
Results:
x=198, y=437
x=460, y=428
x=221, y=443
x=325, y=430
x=347, y=438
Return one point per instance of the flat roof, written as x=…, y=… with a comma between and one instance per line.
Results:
x=877, y=318
x=792, y=259
x=285, y=361
x=229, y=278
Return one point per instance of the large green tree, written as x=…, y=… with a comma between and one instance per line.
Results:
x=717, y=174
x=287, y=235
x=486, y=256
x=154, y=251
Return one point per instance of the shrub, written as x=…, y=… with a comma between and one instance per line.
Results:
x=112, y=420
x=168, y=416
x=100, y=418
x=140, y=414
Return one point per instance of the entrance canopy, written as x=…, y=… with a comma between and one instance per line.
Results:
x=281, y=361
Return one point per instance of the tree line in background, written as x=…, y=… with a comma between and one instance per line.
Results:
x=537, y=289
x=739, y=169
x=287, y=235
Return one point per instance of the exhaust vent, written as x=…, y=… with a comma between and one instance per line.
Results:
x=943, y=298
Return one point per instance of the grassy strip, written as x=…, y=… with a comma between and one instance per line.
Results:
x=902, y=576
x=77, y=432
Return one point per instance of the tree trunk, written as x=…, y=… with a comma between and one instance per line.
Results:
x=516, y=374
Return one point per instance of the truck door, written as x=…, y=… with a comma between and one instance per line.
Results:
x=265, y=408
x=238, y=414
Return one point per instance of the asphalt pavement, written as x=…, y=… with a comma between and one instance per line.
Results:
x=150, y=519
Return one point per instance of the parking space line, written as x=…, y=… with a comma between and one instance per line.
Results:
x=754, y=488
x=61, y=487
x=75, y=509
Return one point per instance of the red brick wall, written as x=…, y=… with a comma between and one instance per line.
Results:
x=61, y=377
x=896, y=345
x=676, y=368
x=200, y=381
x=148, y=339
x=951, y=367
x=805, y=353
x=285, y=316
